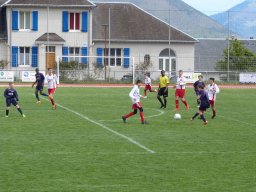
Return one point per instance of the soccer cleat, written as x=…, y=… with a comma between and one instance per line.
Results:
x=145, y=97
x=162, y=106
x=124, y=119
x=23, y=115
x=213, y=116
x=38, y=102
x=6, y=116
x=144, y=123
x=187, y=107
x=191, y=119
x=206, y=122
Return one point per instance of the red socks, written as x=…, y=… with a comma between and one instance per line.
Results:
x=129, y=115
x=142, y=117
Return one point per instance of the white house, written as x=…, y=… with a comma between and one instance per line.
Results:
x=33, y=33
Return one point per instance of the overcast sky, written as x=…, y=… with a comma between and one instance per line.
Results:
x=210, y=6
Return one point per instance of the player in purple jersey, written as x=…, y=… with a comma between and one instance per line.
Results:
x=198, y=83
x=39, y=85
x=204, y=104
x=11, y=97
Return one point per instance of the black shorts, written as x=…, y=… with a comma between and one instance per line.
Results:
x=11, y=101
x=203, y=107
x=39, y=88
x=161, y=92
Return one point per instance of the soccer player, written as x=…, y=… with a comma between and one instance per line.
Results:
x=11, y=97
x=180, y=90
x=135, y=97
x=148, y=84
x=163, y=89
x=51, y=80
x=204, y=104
x=196, y=85
x=39, y=85
x=213, y=89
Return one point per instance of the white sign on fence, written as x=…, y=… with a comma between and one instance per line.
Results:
x=191, y=77
x=6, y=76
x=247, y=77
x=29, y=76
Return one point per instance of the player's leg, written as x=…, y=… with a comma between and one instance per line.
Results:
x=159, y=97
x=50, y=96
x=43, y=94
x=196, y=114
x=18, y=107
x=124, y=117
x=150, y=89
x=8, y=105
x=183, y=99
x=201, y=112
x=212, y=103
x=37, y=96
x=165, y=95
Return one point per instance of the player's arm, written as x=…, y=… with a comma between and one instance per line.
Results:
x=16, y=96
x=217, y=90
x=6, y=94
x=182, y=82
x=167, y=84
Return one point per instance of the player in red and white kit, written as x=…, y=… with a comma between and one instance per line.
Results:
x=51, y=81
x=148, y=86
x=135, y=97
x=180, y=90
x=213, y=89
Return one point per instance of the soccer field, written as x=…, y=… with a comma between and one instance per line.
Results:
x=84, y=145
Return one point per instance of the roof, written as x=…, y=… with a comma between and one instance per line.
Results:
x=50, y=37
x=51, y=3
x=130, y=23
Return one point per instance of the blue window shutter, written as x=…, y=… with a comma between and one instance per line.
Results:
x=84, y=53
x=64, y=21
x=35, y=20
x=84, y=21
x=34, y=56
x=64, y=53
x=14, y=56
x=99, y=58
x=15, y=21
x=126, y=60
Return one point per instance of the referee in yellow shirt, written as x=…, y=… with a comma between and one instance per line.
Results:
x=163, y=89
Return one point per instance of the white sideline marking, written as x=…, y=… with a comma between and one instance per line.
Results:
x=160, y=113
x=108, y=129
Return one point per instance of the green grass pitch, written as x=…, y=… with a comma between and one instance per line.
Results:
x=86, y=147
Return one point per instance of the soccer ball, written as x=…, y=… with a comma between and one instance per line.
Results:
x=177, y=116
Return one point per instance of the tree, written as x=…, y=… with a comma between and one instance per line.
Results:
x=240, y=58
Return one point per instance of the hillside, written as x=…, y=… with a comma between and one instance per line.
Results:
x=241, y=19
x=182, y=16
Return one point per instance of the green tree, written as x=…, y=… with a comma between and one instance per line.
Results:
x=240, y=58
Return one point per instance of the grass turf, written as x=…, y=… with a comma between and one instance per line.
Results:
x=62, y=151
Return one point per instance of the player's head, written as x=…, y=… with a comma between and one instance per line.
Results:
x=162, y=72
x=211, y=80
x=11, y=84
x=200, y=77
x=50, y=70
x=180, y=73
x=147, y=74
x=138, y=82
x=37, y=70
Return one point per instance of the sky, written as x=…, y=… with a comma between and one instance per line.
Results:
x=210, y=7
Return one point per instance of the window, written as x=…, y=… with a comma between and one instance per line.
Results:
x=25, y=20
x=74, y=51
x=115, y=57
x=147, y=60
x=24, y=56
x=74, y=21
x=50, y=49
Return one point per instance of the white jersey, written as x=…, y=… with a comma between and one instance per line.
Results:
x=212, y=91
x=135, y=94
x=51, y=81
x=147, y=81
x=181, y=83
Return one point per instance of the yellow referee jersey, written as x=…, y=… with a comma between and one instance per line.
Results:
x=164, y=81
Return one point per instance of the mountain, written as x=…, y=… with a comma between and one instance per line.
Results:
x=181, y=16
x=240, y=19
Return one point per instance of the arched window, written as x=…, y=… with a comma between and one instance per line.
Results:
x=167, y=60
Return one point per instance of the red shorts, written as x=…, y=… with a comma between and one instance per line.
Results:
x=180, y=93
x=148, y=87
x=136, y=105
x=51, y=91
x=212, y=102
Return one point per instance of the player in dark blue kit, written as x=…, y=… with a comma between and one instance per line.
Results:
x=204, y=104
x=39, y=85
x=196, y=84
x=11, y=97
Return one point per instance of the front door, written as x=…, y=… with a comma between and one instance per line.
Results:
x=50, y=57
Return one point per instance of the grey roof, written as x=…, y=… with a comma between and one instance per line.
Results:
x=55, y=3
x=50, y=37
x=209, y=51
x=130, y=23
x=2, y=2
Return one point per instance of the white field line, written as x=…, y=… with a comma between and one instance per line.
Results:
x=107, y=128
x=238, y=121
x=157, y=115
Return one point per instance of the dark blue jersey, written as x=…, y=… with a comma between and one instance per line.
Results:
x=39, y=79
x=204, y=99
x=197, y=84
x=10, y=93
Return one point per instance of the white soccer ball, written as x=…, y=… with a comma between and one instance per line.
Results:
x=177, y=116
